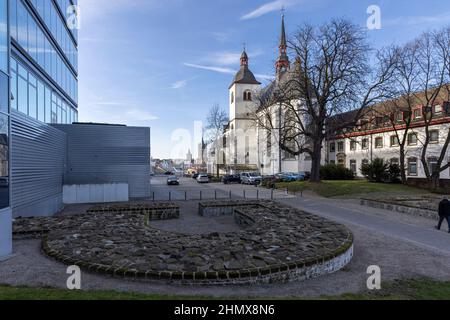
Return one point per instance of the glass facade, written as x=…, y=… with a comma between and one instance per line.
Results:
x=4, y=106
x=44, y=63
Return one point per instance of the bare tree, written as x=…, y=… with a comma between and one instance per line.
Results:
x=328, y=91
x=433, y=63
x=215, y=122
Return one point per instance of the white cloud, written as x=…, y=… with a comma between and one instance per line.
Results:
x=179, y=84
x=211, y=68
x=268, y=8
x=225, y=70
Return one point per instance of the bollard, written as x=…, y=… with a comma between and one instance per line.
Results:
x=245, y=197
x=257, y=194
x=230, y=194
x=185, y=196
x=271, y=194
x=170, y=195
x=153, y=196
x=201, y=195
x=215, y=194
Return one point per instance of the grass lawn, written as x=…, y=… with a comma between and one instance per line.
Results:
x=349, y=188
x=421, y=289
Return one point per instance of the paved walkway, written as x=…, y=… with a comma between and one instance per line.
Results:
x=415, y=230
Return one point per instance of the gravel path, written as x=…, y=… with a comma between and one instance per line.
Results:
x=397, y=258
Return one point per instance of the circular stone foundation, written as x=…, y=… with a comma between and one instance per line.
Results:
x=275, y=243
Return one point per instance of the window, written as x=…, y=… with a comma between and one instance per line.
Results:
x=353, y=166
x=399, y=116
x=437, y=109
x=247, y=96
x=365, y=144
x=394, y=141
x=434, y=136
x=3, y=36
x=412, y=166
x=379, y=143
x=432, y=164
x=232, y=97
x=332, y=147
x=412, y=139
x=353, y=145
x=4, y=160
x=417, y=114
x=341, y=146
x=4, y=88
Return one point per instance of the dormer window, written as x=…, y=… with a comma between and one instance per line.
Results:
x=248, y=95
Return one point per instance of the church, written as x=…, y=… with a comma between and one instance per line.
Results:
x=244, y=145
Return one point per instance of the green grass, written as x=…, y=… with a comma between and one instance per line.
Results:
x=419, y=289
x=349, y=188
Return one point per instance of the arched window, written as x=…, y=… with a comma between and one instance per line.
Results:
x=248, y=95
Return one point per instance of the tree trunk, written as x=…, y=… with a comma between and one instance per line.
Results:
x=316, y=158
x=435, y=184
x=403, y=166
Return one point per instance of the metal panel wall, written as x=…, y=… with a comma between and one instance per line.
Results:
x=99, y=154
x=38, y=160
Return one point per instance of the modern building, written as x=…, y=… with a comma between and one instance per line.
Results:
x=46, y=156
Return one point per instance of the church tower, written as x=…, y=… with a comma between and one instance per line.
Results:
x=282, y=63
x=242, y=89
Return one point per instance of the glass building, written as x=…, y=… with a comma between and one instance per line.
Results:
x=5, y=211
x=38, y=85
x=44, y=60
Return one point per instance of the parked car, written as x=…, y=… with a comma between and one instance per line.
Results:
x=173, y=180
x=252, y=178
x=232, y=178
x=169, y=173
x=203, y=178
x=195, y=176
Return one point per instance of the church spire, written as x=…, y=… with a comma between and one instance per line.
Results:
x=282, y=63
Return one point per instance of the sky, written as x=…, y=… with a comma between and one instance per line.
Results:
x=163, y=63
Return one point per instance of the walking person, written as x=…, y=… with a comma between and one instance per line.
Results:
x=444, y=213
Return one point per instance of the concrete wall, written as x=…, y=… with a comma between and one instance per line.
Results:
x=99, y=154
x=5, y=233
x=37, y=152
x=96, y=193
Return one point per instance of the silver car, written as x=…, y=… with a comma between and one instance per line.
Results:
x=203, y=178
x=252, y=178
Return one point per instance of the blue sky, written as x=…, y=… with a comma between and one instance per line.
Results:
x=164, y=63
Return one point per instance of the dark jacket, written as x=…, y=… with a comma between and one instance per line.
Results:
x=444, y=208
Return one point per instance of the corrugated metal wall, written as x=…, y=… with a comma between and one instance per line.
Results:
x=108, y=153
x=38, y=159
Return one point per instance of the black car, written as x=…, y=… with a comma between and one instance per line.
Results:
x=169, y=173
x=195, y=176
x=233, y=178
